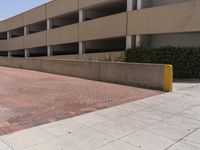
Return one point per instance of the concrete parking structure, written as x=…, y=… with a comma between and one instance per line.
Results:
x=63, y=27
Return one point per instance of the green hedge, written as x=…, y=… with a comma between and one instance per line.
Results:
x=185, y=60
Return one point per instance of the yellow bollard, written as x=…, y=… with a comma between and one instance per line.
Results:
x=168, y=78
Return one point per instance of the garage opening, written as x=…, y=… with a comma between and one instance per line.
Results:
x=65, y=20
x=38, y=52
x=3, y=35
x=65, y=49
x=37, y=27
x=18, y=53
x=105, y=9
x=17, y=32
x=3, y=53
x=105, y=45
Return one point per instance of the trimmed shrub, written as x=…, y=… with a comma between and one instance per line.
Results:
x=185, y=60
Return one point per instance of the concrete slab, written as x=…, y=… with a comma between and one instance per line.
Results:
x=26, y=138
x=54, y=144
x=4, y=146
x=147, y=141
x=182, y=145
x=118, y=145
x=87, y=139
x=115, y=128
x=194, y=137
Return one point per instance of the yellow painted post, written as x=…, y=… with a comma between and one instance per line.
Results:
x=168, y=78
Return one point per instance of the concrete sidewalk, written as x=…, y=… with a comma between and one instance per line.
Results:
x=169, y=121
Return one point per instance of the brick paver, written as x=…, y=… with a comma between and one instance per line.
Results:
x=29, y=98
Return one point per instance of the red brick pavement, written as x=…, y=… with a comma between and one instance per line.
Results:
x=29, y=98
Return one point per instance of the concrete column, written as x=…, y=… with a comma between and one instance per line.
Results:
x=138, y=38
x=130, y=5
x=81, y=47
x=49, y=24
x=8, y=35
x=138, y=41
x=27, y=53
x=26, y=30
x=49, y=51
x=9, y=54
x=129, y=42
x=129, y=39
x=82, y=17
x=139, y=4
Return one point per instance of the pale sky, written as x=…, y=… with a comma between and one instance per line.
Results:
x=9, y=8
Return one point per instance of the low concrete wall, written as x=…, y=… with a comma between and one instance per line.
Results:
x=80, y=69
x=106, y=56
x=143, y=75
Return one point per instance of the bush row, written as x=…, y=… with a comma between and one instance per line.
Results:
x=185, y=60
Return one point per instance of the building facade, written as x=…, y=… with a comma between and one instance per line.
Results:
x=63, y=27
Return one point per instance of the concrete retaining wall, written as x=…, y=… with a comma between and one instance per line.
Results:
x=142, y=75
x=134, y=74
x=106, y=56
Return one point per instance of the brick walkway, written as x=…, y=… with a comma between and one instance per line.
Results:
x=29, y=98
